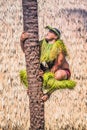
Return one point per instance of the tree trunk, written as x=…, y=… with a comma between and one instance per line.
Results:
x=32, y=54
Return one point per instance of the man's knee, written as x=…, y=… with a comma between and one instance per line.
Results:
x=59, y=75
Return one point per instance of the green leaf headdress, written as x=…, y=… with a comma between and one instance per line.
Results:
x=54, y=30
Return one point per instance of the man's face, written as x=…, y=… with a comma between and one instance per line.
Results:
x=51, y=36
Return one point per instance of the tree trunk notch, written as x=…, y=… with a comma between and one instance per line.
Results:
x=32, y=53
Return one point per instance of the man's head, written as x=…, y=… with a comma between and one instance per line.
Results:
x=53, y=34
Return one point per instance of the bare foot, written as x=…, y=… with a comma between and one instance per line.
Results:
x=45, y=97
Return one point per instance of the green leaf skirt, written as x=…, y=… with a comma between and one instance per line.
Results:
x=50, y=84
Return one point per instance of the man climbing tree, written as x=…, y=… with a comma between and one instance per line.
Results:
x=53, y=62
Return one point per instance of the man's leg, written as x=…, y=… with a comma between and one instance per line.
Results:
x=59, y=75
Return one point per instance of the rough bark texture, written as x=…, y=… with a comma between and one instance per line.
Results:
x=32, y=64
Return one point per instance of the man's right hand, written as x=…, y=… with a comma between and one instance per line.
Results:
x=24, y=36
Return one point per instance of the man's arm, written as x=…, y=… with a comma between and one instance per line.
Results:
x=58, y=63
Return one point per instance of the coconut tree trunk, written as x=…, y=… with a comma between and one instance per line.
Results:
x=31, y=46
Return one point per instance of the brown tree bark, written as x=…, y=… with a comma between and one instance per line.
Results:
x=32, y=54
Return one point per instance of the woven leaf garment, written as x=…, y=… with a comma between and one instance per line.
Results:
x=49, y=52
x=50, y=84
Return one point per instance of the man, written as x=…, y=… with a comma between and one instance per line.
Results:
x=53, y=55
